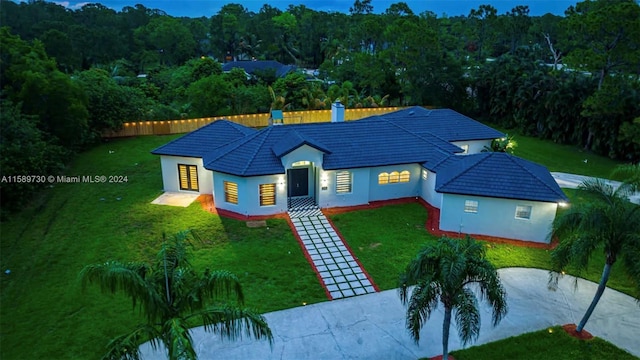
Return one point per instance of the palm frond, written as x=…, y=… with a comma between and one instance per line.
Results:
x=177, y=339
x=630, y=173
x=467, y=316
x=424, y=299
x=231, y=323
x=130, y=278
x=127, y=346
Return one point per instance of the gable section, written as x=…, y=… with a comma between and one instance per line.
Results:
x=303, y=153
x=293, y=140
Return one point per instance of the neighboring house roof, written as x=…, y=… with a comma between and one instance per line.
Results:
x=251, y=66
x=496, y=174
x=204, y=140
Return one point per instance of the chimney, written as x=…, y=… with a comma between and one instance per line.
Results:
x=337, y=112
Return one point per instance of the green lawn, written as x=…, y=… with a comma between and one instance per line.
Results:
x=385, y=239
x=45, y=315
x=562, y=158
x=553, y=343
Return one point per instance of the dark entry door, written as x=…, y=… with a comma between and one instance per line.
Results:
x=298, y=180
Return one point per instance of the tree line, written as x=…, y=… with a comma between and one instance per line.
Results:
x=68, y=75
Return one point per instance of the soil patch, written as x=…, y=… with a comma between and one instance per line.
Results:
x=582, y=335
x=256, y=223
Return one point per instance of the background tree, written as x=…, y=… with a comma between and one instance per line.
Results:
x=209, y=96
x=109, y=104
x=443, y=272
x=31, y=78
x=170, y=294
x=602, y=46
x=608, y=222
x=25, y=150
x=483, y=20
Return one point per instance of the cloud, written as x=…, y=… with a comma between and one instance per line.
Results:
x=68, y=5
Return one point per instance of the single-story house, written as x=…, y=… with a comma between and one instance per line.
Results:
x=250, y=67
x=435, y=155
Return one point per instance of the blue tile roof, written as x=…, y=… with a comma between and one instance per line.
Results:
x=251, y=66
x=202, y=141
x=444, y=123
x=401, y=137
x=501, y=175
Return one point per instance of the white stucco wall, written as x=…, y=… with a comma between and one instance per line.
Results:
x=394, y=190
x=496, y=217
x=170, y=177
x=359, y=194
x=475, y=146
x=428, y=189
x=249, y=194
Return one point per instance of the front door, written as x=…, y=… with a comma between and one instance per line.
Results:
x=298, y=180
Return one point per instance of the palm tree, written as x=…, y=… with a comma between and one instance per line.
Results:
x=442, y=272
x=608, y=222
x=172, y=296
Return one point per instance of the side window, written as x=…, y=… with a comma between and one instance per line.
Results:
x=523, y=212
x=471, y=206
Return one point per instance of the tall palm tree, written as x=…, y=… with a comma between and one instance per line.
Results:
x=442, y=272
x=609, y=223
x=172, y=297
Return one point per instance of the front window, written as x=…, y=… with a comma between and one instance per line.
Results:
x=230, y=192
x=394, y=177
x=405, y=176
x=383, y=178
x=343, y=182
x=267, y=194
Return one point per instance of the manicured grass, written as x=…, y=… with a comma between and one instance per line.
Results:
x=562, y=158
x=387, y=238
x=553, y=343
x=44, y=313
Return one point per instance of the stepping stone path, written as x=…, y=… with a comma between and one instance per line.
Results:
x=341, y=274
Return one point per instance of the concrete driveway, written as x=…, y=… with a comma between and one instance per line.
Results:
x=373, y=327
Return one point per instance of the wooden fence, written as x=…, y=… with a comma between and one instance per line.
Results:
x=166, y=127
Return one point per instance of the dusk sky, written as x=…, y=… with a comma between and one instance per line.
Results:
x=197, y=8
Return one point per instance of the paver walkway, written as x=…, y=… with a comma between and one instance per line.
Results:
x=336, y=266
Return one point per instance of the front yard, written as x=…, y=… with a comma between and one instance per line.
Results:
x=44, y=313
